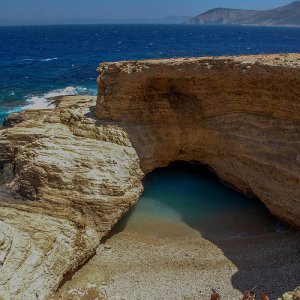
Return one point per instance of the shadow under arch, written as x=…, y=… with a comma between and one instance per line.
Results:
x=257, y=251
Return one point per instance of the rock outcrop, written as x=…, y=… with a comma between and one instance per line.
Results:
x=239, y=115
x=65, y=182
x=69, y=174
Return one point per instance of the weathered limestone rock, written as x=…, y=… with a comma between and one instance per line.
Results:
x=240, y=115
x=72, y=181
x=67, y=176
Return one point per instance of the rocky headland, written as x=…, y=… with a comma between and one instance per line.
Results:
x=288, y=15
x=69, y=174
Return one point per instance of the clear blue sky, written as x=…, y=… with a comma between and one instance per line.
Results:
x=65, y=10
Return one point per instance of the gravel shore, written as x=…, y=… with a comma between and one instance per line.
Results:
x=165, y=260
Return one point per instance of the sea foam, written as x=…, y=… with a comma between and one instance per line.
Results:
x=44, y=101
x=49, y=59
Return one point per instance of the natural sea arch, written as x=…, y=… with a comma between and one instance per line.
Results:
x=237, y=115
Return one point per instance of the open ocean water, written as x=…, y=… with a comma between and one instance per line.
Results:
x=39, y=62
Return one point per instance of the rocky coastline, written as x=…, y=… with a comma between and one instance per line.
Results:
x=70, y=173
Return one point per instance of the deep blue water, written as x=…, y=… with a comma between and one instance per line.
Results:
x=37, y=62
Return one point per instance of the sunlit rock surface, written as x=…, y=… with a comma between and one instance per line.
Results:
x=240, y=115
x=72, y=180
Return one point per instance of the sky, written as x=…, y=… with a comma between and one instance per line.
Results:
x=85, y=11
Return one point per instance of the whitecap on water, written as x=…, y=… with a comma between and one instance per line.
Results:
x=32, y=59
x=13, y=110
x=49, y=59
x=44, y=101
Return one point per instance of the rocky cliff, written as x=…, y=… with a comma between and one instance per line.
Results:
x=69, y=174
x=65, y=181
x=288, y=15
x=239, y=115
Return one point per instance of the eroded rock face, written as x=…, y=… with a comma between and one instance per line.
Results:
x=239, y=115
x=66, y=180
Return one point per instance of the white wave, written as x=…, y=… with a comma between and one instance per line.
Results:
x=11, y=93
x=49, y=59
x=13, y=110
x=30, y=60
x=44, y=101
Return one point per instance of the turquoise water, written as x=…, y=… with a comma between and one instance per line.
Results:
x=188, y=194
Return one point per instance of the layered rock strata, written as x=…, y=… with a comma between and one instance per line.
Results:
x=239, y=115
x=68, y=176
x=65, y=182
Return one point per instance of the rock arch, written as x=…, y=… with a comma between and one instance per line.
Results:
x=239, y=115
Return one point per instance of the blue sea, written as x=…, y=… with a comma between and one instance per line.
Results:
x=39, y=62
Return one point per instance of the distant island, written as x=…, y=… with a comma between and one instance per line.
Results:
x=288, y=15
x=92, y=21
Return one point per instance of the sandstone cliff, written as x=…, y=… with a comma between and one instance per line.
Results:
x=68, y=176
x=239, y=115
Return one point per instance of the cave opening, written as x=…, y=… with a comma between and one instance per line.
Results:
x=186, y=197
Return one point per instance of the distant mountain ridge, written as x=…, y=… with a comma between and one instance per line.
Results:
x=162, y=20
x=288, y=15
